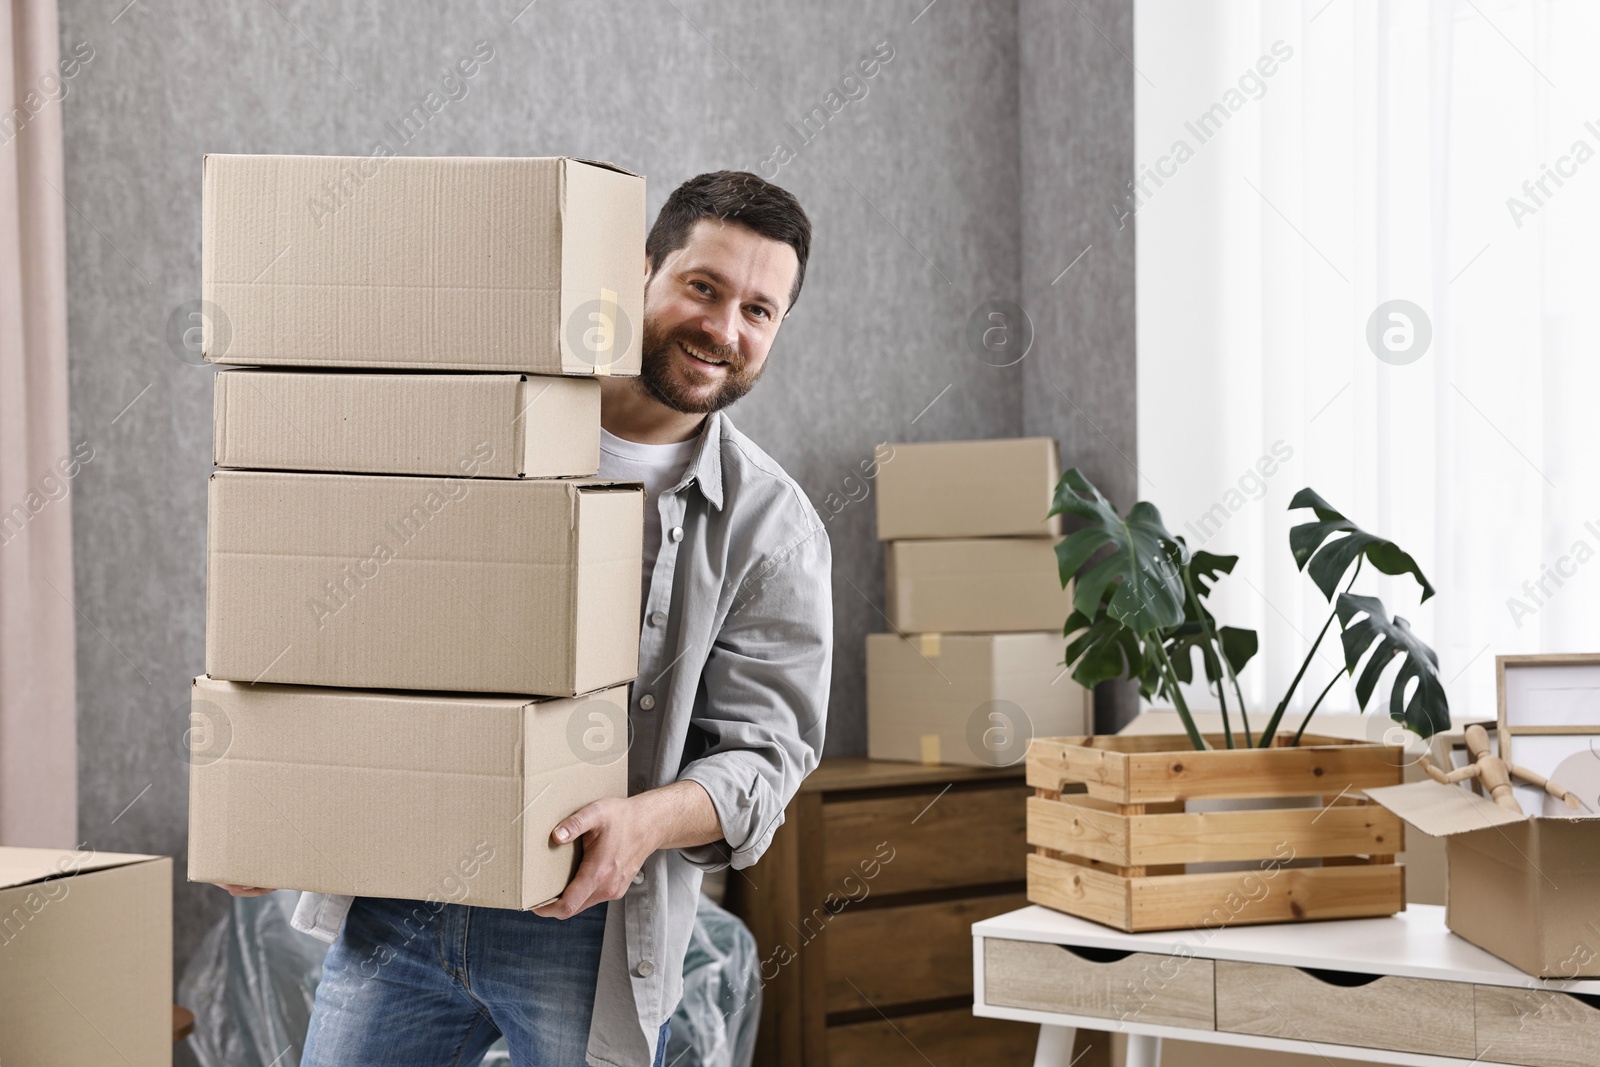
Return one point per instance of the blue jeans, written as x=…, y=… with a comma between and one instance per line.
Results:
x=414, y=984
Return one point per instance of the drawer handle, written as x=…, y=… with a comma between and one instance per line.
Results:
x=1344, y=979
x=1098, y=955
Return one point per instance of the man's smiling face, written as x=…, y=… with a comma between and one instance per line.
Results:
x=711, y=312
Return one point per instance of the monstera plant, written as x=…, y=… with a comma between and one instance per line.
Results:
x=1139, y=612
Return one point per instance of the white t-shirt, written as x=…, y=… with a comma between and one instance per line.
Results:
x=658, y=467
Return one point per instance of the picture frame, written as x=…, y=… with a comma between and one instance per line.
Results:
x=1551, y=702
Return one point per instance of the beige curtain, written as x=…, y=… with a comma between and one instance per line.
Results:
x=38, y=734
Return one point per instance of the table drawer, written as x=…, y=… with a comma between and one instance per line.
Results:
x=967, y=836
x=1342, y=1008
x=1143, y=987
x=942, y=1037
x=1538, y=1027
x=882, y=957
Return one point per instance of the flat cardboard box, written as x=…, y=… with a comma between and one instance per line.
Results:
x=971, y=699
x=85, y=957
x=995, y=488
x=1525, y=888
x=477, y=425
x=978, y=585
x=439, y=797
x=528, y=265
x=385, y=582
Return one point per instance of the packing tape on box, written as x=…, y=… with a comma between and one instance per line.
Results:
x=930, y=648
x=930, y=748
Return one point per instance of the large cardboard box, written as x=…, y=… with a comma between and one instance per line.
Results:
x=386, y=582
x=532, y=265
x=979, y=585
x=437, y=797
x=479, y=425
x=972, y=699
x=85, y=958
x=1525, y=888
x=997, y=488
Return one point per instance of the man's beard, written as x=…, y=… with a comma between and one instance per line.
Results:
x=659, y=380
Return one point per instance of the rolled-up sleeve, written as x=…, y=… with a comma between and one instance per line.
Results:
x=766, y=698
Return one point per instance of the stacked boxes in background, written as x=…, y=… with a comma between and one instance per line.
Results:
x=974, y=667
x=422, y=608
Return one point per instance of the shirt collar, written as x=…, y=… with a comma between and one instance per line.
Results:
x=705, y=468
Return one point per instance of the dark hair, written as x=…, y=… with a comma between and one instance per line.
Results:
x=734, y=196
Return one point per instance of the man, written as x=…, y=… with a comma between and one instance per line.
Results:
x=727, y=713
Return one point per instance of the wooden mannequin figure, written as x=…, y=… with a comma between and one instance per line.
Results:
x=1495, y=774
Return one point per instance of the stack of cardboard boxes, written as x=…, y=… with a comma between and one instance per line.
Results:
x=974, y=666
x=422, y=608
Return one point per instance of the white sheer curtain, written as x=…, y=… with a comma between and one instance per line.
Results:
x=1442, y=152
x=38, y=732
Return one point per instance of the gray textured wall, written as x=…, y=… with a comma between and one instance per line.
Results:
x=913, y=190
x=1076, y=121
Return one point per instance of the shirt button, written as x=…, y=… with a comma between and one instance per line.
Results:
x=676, y=533
x=658, y=618
x=647, y=702
x=638, y=879
x=645, y=969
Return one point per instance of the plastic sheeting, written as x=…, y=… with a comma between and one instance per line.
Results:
x=251, y=983
x=715, y=1025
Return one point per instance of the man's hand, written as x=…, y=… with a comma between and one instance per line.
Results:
x=246, y=890
x=619, y=834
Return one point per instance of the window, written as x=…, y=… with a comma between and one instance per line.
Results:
x=1300, y=169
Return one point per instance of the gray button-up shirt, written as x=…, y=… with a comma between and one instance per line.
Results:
x=732, y=693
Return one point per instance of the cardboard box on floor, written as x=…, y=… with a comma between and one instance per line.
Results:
x=85, y=958
x=1523, y=887
x=978, y=585
x=422, y=796
x=971, y=699
x=992, y=488
x=477, y=425
x=388, y=582
x=531, y=265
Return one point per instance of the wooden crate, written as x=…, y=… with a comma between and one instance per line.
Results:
x=1122, y=852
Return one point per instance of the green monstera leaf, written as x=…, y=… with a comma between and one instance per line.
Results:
x=1144, y=583
x=1428, y=709
x=1328, y=561
x=1238, y=645
x=1101, y=649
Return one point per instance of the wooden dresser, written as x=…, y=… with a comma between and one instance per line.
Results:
x=863, y=908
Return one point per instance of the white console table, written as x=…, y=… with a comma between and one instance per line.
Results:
x=1400, y=990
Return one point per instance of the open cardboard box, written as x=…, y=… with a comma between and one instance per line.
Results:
x=1524, y=887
